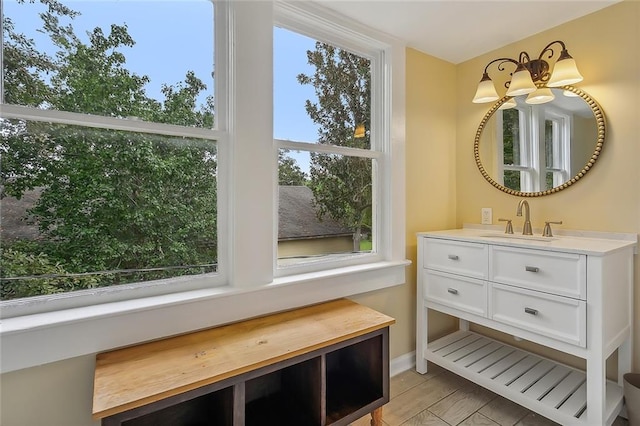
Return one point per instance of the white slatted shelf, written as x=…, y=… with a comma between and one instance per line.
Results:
x=549, y=388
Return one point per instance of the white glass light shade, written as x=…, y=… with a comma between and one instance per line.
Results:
x=521, y=82
x=570, y=94
x=564, y=72
x=486, y=91
x=511, y=103
x=540, y=96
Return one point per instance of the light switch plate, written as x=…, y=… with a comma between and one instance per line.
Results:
x=487, y=216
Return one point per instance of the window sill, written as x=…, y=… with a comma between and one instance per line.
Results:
x=38, y=339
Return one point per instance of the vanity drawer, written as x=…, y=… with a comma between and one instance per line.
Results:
x=466, y=294
x=560, y=318
x=563, y=274
x=457, y=257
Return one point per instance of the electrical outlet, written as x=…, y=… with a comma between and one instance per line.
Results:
x=487, y=216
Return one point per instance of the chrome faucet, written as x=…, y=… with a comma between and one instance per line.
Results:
x=526, y=228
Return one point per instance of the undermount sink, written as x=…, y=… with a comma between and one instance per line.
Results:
x=519, y=237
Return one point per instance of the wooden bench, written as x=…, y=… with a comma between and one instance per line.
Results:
x=326, y=364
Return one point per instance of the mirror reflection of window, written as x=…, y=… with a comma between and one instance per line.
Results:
x=533, y=158
x=512, y=151
x=539, y=149
x=557, y=143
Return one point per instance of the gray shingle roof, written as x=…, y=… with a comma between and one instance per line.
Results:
x=298, y=216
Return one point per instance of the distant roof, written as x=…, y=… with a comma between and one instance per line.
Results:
x=298, y=216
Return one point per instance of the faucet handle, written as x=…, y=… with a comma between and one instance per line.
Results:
x=547, y=228
x=509, y=228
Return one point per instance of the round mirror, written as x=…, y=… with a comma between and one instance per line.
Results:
x=530, y=150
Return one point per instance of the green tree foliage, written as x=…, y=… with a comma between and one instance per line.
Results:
x=511, y=146
x=289, y=172
x=110, y=200
x=341, y=185
x=17, y=262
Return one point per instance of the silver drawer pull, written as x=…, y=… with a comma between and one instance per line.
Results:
x=531, y=269
x=453, y=257
x=531, y=311
x=452, y=290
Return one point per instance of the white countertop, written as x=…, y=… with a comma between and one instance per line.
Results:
x=574, y=241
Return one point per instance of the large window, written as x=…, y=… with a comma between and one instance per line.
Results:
x=144, y=203
x=329, y=154
x=85, y=204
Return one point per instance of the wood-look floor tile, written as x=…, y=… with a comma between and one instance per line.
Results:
x=405, y=381
x=425, y=418
x=422, y=399
x=478, y=419
x=417, y=399
x=462, y=403
x=503, y=411
x=535, y=419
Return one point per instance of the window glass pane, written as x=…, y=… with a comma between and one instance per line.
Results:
x=322, y=94
x=549, y=180
x=152, y=60
x=549, y=144
x=328, y=215
x=512, y=179
x=84, y=207
x=511, y=136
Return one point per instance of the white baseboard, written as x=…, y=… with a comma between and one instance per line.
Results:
x=402, y=363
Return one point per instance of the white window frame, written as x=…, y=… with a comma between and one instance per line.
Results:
x=246, y=256
x=563, y=125
x=301, y=20
x=60, y=301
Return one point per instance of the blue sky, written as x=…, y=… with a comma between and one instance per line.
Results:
x=173, y=37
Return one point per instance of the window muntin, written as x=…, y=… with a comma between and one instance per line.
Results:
x=341, y=178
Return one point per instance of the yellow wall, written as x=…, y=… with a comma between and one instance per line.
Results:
x=431, y=183
x=445, y=189
x=606, y=46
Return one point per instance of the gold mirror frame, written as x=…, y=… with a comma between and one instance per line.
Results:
x=601, y=130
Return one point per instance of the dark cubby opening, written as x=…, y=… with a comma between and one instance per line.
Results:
x=290, y=396
x=212, y=409
x=354, y=378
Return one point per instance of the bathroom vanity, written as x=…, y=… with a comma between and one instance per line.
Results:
x=571, y=292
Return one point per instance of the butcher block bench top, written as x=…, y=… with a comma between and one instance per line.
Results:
x=138, y=375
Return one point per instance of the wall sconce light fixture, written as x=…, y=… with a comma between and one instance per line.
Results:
x=360, y=131
x=528, y=72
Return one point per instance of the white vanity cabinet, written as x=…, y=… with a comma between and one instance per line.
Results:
x=570, y=293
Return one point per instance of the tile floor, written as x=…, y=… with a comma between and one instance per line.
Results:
x=441, y=398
